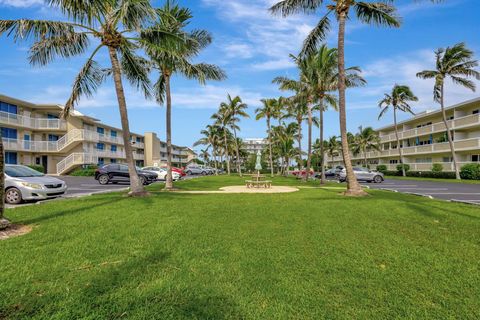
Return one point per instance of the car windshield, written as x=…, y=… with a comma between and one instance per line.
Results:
x=21, y=172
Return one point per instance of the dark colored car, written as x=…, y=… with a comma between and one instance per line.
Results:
x=330, y=173
x=115, y=173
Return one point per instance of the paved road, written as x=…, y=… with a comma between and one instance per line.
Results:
x=451, y=191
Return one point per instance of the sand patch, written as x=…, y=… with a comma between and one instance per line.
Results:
x=14, y=230
x=243, y=189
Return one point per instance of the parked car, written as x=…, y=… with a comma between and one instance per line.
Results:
x=363, y=174
x=195, y=169
x=23, y=183
x=178, y=170
x=162, y=173
x=115, y=173
x=301, y=173
x=330, y=173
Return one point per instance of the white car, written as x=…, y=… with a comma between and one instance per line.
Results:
x=23, y=183
x=162, y=173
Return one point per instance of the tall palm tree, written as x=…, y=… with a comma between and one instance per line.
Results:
x=270, y=107
x=365, y=140
x=111, y=24
x=4, y=222
x=283, y=137
x=176, y=59
x=223, y=119
x=236, y=108
x=398, y=99
x=379, y=13
x=205, y=155
x=211, y=137
x=456, y=63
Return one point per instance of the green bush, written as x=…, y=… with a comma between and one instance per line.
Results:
x=87, y=171
x=382, y=168
x=437, y=167
x=406, y=166
x=470, y=171
x=36, y=167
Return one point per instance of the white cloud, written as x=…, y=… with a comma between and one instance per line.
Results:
x=21, y=3
x=238, y=50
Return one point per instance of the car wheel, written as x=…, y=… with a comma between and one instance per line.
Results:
x=143, y=181
x=377, y=179
x=13, y=196
x=104, y=179
x=204, y=173
x=189, y=173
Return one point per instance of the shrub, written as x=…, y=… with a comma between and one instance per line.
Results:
x=437, y=167
x=470, y=171
x=431, y=174
x=406, y=166
x=87, y=171
x=382, y=168
x=37, y=167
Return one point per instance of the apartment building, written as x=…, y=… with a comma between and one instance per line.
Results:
x=156, y=152
x=253, y=145
x=34, y=134
x=424, y=142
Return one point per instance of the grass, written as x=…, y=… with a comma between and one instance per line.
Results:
x=312, y=254
x=434, y=179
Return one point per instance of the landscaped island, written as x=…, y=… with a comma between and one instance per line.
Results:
x=309, y=254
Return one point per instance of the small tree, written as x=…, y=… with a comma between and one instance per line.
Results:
x=437, y=167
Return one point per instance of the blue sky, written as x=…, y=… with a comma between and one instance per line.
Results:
x=252, y=47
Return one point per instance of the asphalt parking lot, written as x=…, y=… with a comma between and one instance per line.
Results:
x=451, y=191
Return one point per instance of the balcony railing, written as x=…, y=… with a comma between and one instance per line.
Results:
x=447, y=166
x=32, y=123
x=470, y=120
x=466, y=144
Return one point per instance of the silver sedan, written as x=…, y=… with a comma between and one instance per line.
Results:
x=23, y=183
x=362, y=174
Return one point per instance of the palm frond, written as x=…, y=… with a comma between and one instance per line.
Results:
x=160, y=89
x=378, y=13
x=24, y=29
x=135, y=69
x=46, y=50
x=316, y=36
x=289, y=7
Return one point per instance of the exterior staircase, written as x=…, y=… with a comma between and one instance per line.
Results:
x=74, y=160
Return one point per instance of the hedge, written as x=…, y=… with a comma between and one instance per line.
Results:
x=470, y=171
x=37, y=168
x=423, y=174
x=88, y=171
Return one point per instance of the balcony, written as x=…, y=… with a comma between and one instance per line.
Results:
x=110, y=154
x=139, y=145
x=460, y=145
x=138, y=156
x=32, y=123
x=459, y=123
x=447, y=166
x=110, y=139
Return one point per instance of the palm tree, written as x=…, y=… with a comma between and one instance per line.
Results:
x=177, y=59
x=111, y=24
x=379, y=13
x=398, y=99
x=366, y=139
x=4, y=223
x=332, y=146
x=211, y=137
x=236, y=108
x=205, y=155
x=283, y=137
x=222, y=120
x=269, y=109
x=456, y=63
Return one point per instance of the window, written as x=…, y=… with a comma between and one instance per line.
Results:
x=447, y=159
x=100, y=146
x=10, y=157
x=113, y=160
x=113, y=148
x=7, y=107
x=476, y=111
x=113, y=133
x=101, y=161
x=393, y=161
x=52, y=116
x=475, y=158
x=139, y=140
x=100, y=130
x=53, y=137
x=9, y=133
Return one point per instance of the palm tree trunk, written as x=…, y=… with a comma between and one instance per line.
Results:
x=270, y=145
x=227, y=160
x=299, y=140
x=169, y=178
x=309, y=155
x=215, y=160
x=449, y=135
x=400, y=151
x=136, y=187
x=322, y=147
x=4, y=223
x=237, y=151
x=353, y=187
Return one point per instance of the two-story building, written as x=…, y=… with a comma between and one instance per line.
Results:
x=34, y=134
x=424, y=141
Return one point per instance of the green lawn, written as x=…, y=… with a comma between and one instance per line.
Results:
x=313, y=254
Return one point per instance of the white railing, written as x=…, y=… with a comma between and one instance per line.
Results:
x=138, y=156
x=107, y=138
x=110, y=154
x=139, y=145
x=461, y=122
x=447, y=166
x=76, y=159
x=33, y=123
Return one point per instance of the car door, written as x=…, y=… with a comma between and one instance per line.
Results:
x=123, y=174
x=359, y=173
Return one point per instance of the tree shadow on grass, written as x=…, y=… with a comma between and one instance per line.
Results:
x=83, y=206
